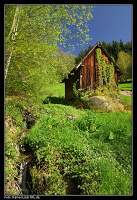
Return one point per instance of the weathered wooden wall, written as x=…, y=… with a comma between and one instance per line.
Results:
x=88, y=72
x=86, y=76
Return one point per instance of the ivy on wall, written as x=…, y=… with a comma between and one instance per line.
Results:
x=105, y=70
x=106, y=83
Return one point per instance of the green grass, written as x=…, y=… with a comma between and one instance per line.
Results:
x=92, y=149
x=57, y=90
x=126, y=101
x=126, y=85
x=129, y=80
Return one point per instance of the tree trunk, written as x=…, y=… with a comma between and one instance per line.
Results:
x=12, y=35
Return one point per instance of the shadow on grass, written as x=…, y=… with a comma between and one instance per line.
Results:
x=54, y=100
x=58, y=100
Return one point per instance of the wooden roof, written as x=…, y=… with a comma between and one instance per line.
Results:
x=97, y=45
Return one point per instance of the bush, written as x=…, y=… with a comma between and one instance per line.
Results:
x=110, y=92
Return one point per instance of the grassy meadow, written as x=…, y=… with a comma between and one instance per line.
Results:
x=127, y=85
x=75, y=151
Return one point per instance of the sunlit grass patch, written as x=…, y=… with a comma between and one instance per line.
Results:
x=125, y=86
x=94, y=148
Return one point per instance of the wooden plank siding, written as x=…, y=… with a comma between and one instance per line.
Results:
x=93, y=70
x=85, y=74
x=88, y=72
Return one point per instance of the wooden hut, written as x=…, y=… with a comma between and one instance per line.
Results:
x=85, y=74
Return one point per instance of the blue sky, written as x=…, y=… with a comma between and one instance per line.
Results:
x=109, y=22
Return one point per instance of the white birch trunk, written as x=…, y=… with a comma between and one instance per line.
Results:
x=12, y=35
x=7, y=64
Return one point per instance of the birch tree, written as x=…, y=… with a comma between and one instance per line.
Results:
x=32, y=37
x=12, y=34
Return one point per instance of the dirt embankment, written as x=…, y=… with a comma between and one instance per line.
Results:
x=127, y=93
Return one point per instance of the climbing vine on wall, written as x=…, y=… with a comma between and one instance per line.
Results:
x=105, y=70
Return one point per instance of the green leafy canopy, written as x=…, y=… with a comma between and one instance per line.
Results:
x=32, y=35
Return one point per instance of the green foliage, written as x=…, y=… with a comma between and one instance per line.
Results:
x=83, y=98
x=11, y=161
x=128, y=48
x=124, y=62
x=106, y=84
x=32, y=57
x=66, y=63
x=90, y=148
x=87, y=149
x=126, y=101
x=14, y=109
x=112, y=48
x=105, y=71
x=14, y=126
x=115, y=49
x=104, y=91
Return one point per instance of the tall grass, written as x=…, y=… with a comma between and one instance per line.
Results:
x=90, y=149
x=94, y=149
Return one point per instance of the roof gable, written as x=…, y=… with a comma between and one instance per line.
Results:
x=97, y=45
x=104, y=50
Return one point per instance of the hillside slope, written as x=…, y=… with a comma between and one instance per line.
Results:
x=74, y=151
